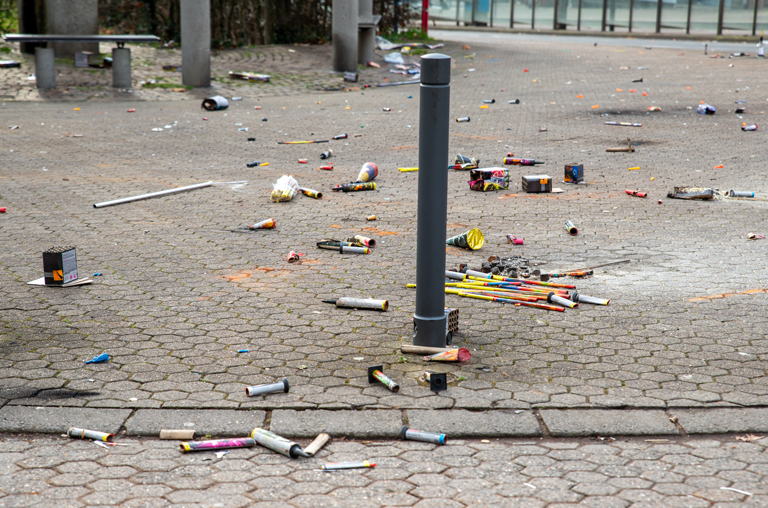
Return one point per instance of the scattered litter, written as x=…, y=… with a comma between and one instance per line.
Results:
x=351, y=77
x=454, y=355
x=354, y=186
x=177, y=434
x=633, y=168
x=624, y=124
x=2, y=209
x=371, y=217
x=337, y=466
x=89, y=434
x=217, y=444
x=360, y=303
x=343, y=247
x=463, y=119
x=654, y=108
x=438, y=381
x=693, y=193
x=740, y=194
x=277, y=443
x=406, y=170
x=636, y=193
x=754, y=236
x=237, y=98
x=513, y=161
x=488, y=179
x=311, y=193
x=265, y=224
x=574, y=173
x=515, y=240
x=293, y=256
x=256, y=163
x=571, y=228
x=326, y=154
x=463, y=162
x=705, y=109
x=317, y=444
x=375, y=374
x=472, y=239
x=8, y=64
x=284, y=189
x=418, y=435
x=368, y=172
x=749, y=438
x=515, y=101
x=102, y=358
x=529, y=485
x=215, y=103
x=752, y=127
x=737, y=490
x=629, y=148
x=280, y=386
x=534, y=184
x=254, y=78
x=243, y=350
x=394, y=58
x=301, y=142
x=131, y=110
x=220, y=455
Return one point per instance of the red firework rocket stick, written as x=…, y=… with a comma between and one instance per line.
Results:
x=541, y=306
x=636, y=193
x=301, y=142
x=510, y=296
x=506, y=300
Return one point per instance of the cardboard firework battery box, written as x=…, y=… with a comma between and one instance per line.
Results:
x=537, y=183
x=574, y=173
x=60, y=265
x=489, y=179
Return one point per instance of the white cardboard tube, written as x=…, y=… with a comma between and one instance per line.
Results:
x=152, y=195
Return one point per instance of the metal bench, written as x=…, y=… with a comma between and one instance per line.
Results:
x=45, y=68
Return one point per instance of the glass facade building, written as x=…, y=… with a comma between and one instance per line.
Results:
x=706, y=17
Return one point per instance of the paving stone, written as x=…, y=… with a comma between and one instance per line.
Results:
x=466, y=424
x=357, y=424
x=216, y=422
x=589, y=422
x=722, y=421
x=58, y=420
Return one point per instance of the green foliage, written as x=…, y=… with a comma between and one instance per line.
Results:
x=413, y=35
x=9, y=17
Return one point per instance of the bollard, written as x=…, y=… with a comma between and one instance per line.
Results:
x=45, y=69
x=121, y=68
x=196, y=43
x=429, y=318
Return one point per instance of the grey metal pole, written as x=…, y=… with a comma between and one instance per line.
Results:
x=688, y=18
x=720, y=13
x=196, y=43
x=344, y=33
x=512, y=13
x=659, y=5
x=45, y=68
x=429, y=325
x=121, y=68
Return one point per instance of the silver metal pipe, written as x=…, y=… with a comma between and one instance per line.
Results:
x=152, y=195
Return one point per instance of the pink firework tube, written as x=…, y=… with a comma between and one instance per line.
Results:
x=375, y=374
x=368, y=242
x=217, y=444
x=515, y=240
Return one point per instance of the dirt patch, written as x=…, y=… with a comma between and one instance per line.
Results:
x=403, y=147
x=723, y=295
x=380, y=232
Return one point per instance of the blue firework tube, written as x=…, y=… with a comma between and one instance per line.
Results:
x=418, y=435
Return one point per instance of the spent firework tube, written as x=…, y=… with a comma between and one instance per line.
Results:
x=280, y=386
x=292, y=256
x=341, y=136
x=303, y=161
x=455, y=275
x=624, y=124
x=579, y=298
x=463, y=119
x=571, y=228
x=371, y=217
x=515, y=101
x=454, y=355
x=746, y=127
x=636, y=193
x=277, y=443
x=553, y=298
x=354, y=250
x=217, y=444
x=489, y=101
x=311, y=193
x=89, y=434
x=360, y=303
x=741, y=194
x=355, y=186
x=368, y=242
x=368, y=172
x=326, y=154
x=386, y=381
x=514, y=240
x=253, y=164
x=337, y=466
x=418, y=435
x=2, y=209
x=513, y=161
x=265, y=224
x=472, y=239
x=329, y=167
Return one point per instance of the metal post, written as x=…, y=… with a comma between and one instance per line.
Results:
x=458, y=4
x=578, y=18
x=344, y=27
x=631, y=11
x=424, y=16
x=474, y=6
x=196, y=43
x=605, y=9
x=512, y=13
x=754, y=19
x=429, y=325
x=554, y=14
x=490, y=15
x=688, y=19
x=720, y=12
x=45, y=69
x=121, y=68
x=659, y=3
x=533, y=13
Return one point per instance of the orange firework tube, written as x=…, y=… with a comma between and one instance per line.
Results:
x=454, y=355
x=265, y=224
x=329, y=167
x=636, y=193
x=311, y=193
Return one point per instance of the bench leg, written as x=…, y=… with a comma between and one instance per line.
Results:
x=366, y=45
x=121, y=68
x=45, y=68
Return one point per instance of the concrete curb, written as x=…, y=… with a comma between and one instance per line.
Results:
x=386, y=423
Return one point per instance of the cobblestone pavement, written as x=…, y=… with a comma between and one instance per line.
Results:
x=186, y=285
x=58, y=472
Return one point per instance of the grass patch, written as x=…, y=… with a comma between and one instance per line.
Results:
x=409, y=36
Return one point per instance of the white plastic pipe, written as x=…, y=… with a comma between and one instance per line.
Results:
x=153, y=195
